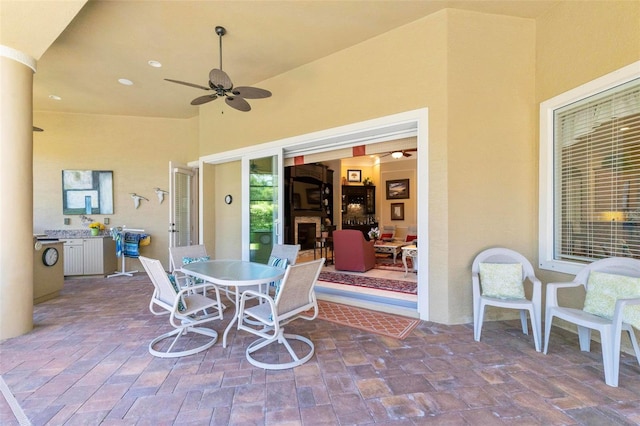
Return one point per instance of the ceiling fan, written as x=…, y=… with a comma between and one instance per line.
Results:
x=400, y=153
x=222, y=86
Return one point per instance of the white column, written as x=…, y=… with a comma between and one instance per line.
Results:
x=16, y=192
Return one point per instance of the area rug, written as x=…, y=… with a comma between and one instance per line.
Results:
x=406, y=287
x=388, y=265
x=381, y=323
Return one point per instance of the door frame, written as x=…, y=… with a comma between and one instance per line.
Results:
x=397, y=126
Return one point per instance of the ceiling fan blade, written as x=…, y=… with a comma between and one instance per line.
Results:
x=238, y=103
x=37, y=129
x=220, y=79
x=197, y=86
x=406, y=154
x=203, y=99
x=251, y=92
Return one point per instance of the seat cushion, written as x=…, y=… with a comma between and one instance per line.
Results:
x=502, y=280
x=187, y=260
x=410, y=238
x=604, y=289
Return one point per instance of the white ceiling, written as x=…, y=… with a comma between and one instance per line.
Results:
x=108, y=40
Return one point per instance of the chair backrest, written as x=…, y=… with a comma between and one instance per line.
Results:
x=177, y=253
x=388, y=232
x=296, y=292
x=412, y=233
x=286, y=251
x=350, y=241
x=165, y=292
x=612, y=265
x=502, y=255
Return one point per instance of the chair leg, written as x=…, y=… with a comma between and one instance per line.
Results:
x=609, y=358
x=634, y=343
x=584, y=336
x=535, y=329
x=547, y=330
x=477, y=325
x=523, y=320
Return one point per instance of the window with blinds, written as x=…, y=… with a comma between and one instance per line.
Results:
x=596, y=175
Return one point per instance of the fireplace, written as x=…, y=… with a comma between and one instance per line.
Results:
x=307, y=229
x=306, y=235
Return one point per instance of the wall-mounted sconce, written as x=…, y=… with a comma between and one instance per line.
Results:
x=67, y=221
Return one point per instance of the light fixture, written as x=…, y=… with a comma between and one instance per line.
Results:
x=125, y=81
x=55, y=97
x=155, y=64
x=397, y=154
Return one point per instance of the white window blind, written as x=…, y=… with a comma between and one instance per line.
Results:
x=596, y=175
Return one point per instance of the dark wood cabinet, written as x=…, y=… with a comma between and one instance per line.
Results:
x=308, y=194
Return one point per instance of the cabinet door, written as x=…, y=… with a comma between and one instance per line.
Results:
x=93, y=259
x=370, y=200
x=73, y=254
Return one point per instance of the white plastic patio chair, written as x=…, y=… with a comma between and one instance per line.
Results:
x=481, y=298
x=186, y=310
x=294, y=298
x=610, y=329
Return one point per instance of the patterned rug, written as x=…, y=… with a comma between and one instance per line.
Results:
x=387, y=264
x=407, y=287
x=363, y=319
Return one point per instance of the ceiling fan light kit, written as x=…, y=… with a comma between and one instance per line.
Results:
x=222, y=85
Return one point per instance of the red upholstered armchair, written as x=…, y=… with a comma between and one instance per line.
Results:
x=352, y=252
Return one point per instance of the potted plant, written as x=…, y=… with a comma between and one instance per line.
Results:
x=96, y=227
x=374, y=234
x=367, y=181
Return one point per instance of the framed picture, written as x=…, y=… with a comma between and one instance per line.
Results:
x=397, y=189
x=354, y=175
x=397, y=211
x=313, y=196
x=87, y=192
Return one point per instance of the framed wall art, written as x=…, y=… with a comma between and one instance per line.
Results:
x=87, y=192
x=397, y=211
x=397, y=189
x=354, y=175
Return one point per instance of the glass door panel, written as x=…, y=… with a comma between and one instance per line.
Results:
x=263, y=188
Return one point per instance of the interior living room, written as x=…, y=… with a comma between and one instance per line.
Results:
x=118, y=96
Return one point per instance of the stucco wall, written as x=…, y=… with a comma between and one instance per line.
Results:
x=136, y=149
x=569, y=56
x=481, y=76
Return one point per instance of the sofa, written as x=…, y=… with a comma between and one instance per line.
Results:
x=352, y=252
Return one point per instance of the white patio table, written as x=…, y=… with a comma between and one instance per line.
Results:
x=233, y=273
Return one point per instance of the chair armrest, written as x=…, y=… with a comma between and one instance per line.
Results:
x=537, y=289
x=620, y=305
x=252, y=294
x=552, y=292
x=475, y=281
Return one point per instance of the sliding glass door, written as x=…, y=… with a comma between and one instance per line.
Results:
x=262, y=204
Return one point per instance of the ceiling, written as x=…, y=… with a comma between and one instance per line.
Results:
x=109, y=40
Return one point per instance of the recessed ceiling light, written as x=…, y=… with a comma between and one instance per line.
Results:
x=55, y=97
x=125, y=81
x=155, y=64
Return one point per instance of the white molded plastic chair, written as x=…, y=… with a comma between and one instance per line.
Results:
x=534, y=306
x=295, y=297
x=183, y=321
x=610, y=330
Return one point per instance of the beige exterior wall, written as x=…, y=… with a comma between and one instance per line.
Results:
x=136, y=149
x=481, y=76
x=568, y=56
